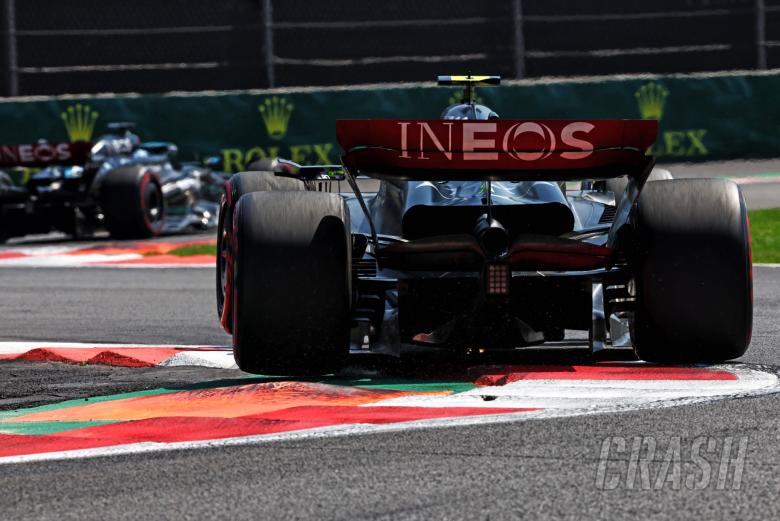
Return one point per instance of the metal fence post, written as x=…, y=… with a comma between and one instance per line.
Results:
x=517, y=8
x=9, y=31
x=761, y=34
x=268, y=41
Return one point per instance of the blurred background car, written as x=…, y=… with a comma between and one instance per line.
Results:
x=130, y=188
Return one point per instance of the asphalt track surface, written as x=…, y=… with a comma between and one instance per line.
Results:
x=538, y=469
x=760, y=195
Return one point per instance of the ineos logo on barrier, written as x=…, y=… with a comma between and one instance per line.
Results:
x=482, y=141
x=34, y=154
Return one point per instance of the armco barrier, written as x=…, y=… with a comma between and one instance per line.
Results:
x=703, y=117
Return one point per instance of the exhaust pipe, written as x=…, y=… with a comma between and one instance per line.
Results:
x=492, y=236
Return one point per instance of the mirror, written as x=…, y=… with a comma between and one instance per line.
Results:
x=213, y=162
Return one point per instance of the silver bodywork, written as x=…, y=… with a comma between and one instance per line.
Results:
x=68, y=197
x=191, y=191
x=388, y=206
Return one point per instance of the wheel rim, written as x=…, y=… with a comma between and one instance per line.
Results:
x=153, y=205
x=224, y=267
x=224, y=258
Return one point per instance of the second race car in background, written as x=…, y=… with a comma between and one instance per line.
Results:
x=130, y=188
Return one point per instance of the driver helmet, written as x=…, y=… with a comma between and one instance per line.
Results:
x=468, y=111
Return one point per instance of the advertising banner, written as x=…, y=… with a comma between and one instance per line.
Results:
x=721, y=116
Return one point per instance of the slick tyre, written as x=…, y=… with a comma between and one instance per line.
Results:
x=618, y=185
x=132, y=202
x=235, y=187
x=291, y=283
x=693, y=272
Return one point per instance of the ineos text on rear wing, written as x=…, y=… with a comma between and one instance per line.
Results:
x=496, y=149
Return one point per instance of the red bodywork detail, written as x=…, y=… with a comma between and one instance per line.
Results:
x=750, y=254
x=538, y=252
x=154, y=228
x=226, y=216
x=750, y=274
x=508, y=149
x=45, y=154
x=445, y=252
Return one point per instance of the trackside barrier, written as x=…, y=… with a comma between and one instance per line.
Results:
x=702, y=117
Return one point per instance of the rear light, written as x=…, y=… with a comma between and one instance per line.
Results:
x=497, y=279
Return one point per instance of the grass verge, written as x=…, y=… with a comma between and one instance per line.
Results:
x=765, y=233
x=195, y=249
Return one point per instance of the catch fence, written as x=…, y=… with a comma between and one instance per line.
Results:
x=151, y=46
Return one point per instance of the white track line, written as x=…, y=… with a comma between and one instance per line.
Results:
x=66, y=261
x=21, y=347
x=210, y=265
x=213, y=359
x=574, y=394
x=753, y=180
x=92, y=261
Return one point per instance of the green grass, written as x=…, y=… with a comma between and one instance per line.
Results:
x=196, y=249
x=765, y=233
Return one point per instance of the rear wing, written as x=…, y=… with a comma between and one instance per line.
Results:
x=45, y=154
x=496, y=149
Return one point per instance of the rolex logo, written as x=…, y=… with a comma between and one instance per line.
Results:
x=651, y=98
x=276, y=116
x=79, y=122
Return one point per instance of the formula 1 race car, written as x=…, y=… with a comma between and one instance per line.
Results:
x=132, y=189
x=473, y=243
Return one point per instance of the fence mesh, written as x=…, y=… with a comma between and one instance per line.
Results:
x=151, y=46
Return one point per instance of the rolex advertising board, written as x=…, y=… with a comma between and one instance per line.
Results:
x=701, y=117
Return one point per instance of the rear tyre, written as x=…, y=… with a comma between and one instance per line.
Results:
x=694, y=278
x=132, y=203
x=237, y=186
x=291, y=283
